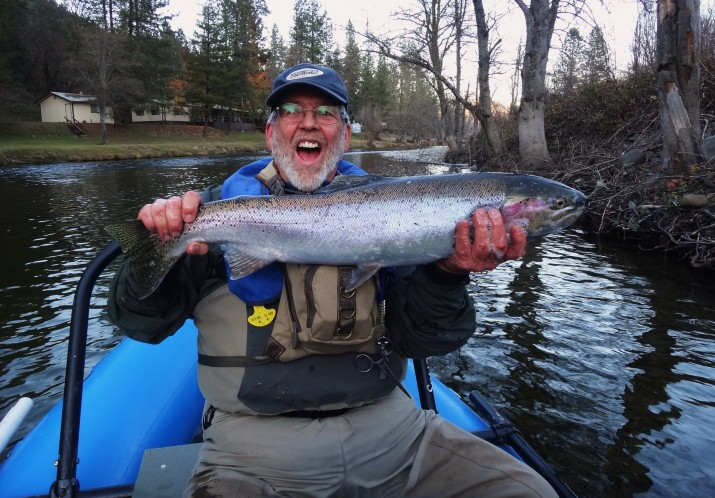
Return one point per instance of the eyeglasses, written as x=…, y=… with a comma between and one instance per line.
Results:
x=323, y=114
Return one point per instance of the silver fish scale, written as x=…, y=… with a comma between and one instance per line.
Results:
x=362, y=221
x=388, y=223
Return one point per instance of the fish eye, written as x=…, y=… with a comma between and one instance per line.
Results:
x=559, y=203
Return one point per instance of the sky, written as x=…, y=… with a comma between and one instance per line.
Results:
x=339, y=11
x=617, y=21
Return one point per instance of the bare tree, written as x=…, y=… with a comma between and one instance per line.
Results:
x=459, y=12
x=426, y=44
x=644, y=40
x=540, y=17
x=678, y=83
x=515, y=78
x=98, y=70
x=434, y=36
x=483, y=112
x=371, y=118
x=439, y=39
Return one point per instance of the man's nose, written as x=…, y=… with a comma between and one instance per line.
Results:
x=308, y=120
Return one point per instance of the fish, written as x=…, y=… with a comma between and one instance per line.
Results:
x=368, y=222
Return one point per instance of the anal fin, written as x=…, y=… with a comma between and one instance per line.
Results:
x=241, y=264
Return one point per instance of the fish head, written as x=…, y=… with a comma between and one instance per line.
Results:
x=542, y=206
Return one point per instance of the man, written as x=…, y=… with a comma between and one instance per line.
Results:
x=290, y=408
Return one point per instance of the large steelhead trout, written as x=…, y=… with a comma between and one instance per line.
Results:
x=365, y=221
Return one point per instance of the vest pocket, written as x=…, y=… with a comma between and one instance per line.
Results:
x=317, y=316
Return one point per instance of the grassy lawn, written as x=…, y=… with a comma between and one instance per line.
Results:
x=30, y=143
x=27, y=143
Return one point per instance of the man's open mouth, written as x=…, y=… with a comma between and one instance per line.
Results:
x=308, y=150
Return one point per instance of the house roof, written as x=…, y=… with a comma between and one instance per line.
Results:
x=72, y=97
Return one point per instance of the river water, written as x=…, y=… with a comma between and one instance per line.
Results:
x=603, y=357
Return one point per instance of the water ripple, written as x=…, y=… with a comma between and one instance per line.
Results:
x=604, y=358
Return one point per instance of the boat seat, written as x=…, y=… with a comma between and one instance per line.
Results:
x=164, y=471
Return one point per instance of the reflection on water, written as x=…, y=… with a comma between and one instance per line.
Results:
x=602, y=357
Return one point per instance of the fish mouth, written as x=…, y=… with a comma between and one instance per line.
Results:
x=558, y=220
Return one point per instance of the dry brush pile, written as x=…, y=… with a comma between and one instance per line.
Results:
x=606, y=142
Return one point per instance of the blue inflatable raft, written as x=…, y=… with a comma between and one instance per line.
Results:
x=142, y=397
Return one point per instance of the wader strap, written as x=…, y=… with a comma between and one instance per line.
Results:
x=271, y=179
x=233, y=361
x=346, y=305
x=275, y=349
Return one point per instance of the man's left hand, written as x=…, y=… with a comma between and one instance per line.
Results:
x=489, y=247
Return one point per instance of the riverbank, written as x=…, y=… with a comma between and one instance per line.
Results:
x=42, y=143
x=631, y=198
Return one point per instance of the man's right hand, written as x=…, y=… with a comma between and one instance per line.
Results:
x=166, y=217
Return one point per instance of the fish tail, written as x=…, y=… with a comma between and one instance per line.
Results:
x=149, y=256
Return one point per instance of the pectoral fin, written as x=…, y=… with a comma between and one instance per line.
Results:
x=359, y=275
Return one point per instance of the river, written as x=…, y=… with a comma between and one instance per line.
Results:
x=603, y=357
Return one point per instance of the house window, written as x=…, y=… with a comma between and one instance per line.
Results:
x=140, y=112
x=94, y=108
x=155, y=112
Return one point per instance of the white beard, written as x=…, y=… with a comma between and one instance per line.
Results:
x=306, y=180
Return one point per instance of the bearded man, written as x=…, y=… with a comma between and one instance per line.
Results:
x=299, y=418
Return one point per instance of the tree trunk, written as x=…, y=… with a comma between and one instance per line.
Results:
x=433, y=12
x=678, y=81
x=495, y=143
x=103, y=123
x=540, y=17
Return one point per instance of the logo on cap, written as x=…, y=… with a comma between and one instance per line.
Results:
x=304, y=73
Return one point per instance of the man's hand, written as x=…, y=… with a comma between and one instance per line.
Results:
x=490, y=247
x=166, y=217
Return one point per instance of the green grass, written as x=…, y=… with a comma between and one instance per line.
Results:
x=26, y=143
x=31, y=143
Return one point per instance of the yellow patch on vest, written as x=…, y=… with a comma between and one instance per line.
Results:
x=261, y=316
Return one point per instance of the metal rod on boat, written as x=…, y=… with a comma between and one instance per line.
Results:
x=66, y=484
x=424, y=385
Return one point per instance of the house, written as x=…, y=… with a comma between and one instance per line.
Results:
x=61, y=107
x=162, y=113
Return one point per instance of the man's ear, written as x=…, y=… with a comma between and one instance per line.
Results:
x=269, y=136
x=348, y=134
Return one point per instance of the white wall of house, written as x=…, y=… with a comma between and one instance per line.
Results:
x=55, y=109
x=173, y=115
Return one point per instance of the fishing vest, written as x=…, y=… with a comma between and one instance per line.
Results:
x=289, y=338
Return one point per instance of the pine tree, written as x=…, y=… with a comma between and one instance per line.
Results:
x=207, y=68
x=597, y=58
x=568, y=70
x=311, y=38
x=351, y=66
x=241, y=20
x=277, y=54
x=383, y=85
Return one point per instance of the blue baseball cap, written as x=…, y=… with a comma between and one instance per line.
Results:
x=320, y=77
